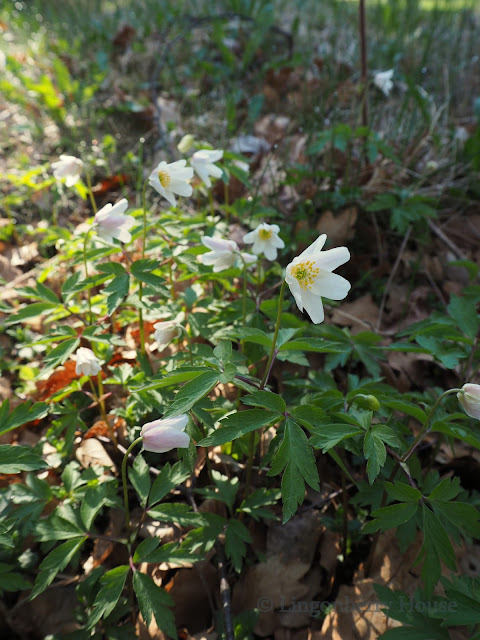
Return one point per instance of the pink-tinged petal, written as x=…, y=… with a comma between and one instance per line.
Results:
x=177, y=422
x=314, y=248
x=120, y=207
x=165, y=439
x=313, y=306
x=330, y=285
x=333, y=258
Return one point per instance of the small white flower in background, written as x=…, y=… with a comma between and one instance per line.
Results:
x=67, y=167
x=469, y=398
x=171, y=179
x=265, y=240
x=165, y=434
x=165, y=332
x=3, y=61
x=87, y=362
x=112, y=223
x=223, y=254
x=243, y=166
x=310, y=277
x=383, y=80
x=186, y=143
x=202, y=162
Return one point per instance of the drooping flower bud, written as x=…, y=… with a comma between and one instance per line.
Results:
x=165, y=434
x=87, y=362
x=469, y=398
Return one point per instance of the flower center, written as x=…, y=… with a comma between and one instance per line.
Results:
x=264, y=234
x=164, y=178
x=305, y=273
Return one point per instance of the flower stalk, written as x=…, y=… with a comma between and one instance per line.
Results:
x=124, y=481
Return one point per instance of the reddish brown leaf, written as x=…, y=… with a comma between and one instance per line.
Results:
x=112, y=183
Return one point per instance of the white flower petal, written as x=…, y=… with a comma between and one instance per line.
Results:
x=333, y=258
x=313, y=306
x=314, y=248
x=331, y=285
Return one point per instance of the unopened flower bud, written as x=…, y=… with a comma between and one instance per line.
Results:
x=165, y=434
x=186, y=143
x=469, y=398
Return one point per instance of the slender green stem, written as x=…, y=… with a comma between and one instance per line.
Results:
x=144, y=206
x=244, y=293
x=189, y=342
x=427, y=426
x=275, y=336
x=140, y=320
x=90, y=192
x=212, y=207
x=170, y=276
x=251, y=442
x=85, y=263
x=124, y=481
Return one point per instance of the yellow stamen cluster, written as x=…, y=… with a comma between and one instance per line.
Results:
x=305, y=273
x=264, y=234
x=164, y=178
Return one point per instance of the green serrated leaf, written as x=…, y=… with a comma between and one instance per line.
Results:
x=265, y=399
x=167, y=479
x=375, y=453
x=139, y=474
x=56, y=561
x=294, y=455
x=112, y=584
x=238, y=424
x=20, y=458
x=192, y=392
x=154, y=601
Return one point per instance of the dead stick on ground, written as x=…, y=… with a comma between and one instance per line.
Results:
x=225, y=593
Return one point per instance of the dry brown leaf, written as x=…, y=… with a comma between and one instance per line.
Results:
x=360, y=314
x=191, y=590
x=92, y=452
x=277, y=582
x=7, y=271
x=339, y=227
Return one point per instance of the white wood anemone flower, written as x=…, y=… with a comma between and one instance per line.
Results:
x=383, y=81
x=111, y=223
x=310, y=277
x=67, y=167
x=165, y=434
x=223, y=254
x=172, y=179
x=87, y=362
x=265, y=240
x=469, y=398
x=165, y=332
x=202, y=162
